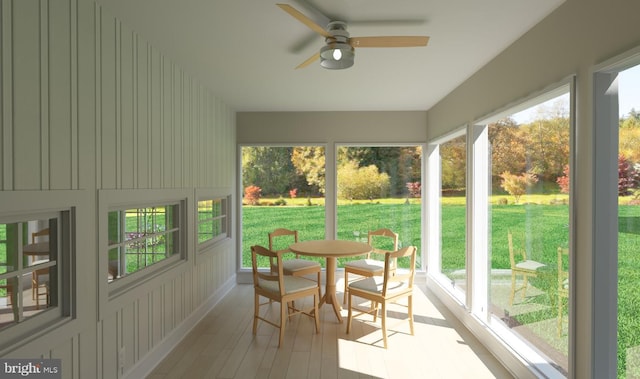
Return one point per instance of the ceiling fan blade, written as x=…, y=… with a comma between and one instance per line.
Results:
x=304, y=19
x=312, y=59
x=389, y=41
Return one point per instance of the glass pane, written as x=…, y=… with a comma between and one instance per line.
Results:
x=629, y=224
x=529, y=216
x=8, y=247
x=453, y=211
x=113, y=268
x=379, y=187
x=205, y=231
x=205, y=209
x=283, y=188
x=8, y=303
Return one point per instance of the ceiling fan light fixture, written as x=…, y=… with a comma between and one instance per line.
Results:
x=337, y=56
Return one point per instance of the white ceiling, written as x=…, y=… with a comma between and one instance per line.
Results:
x=245, y=51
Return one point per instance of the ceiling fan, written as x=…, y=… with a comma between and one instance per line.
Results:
x=339, y=49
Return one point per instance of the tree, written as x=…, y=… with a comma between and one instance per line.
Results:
x=359, y=183
x=507, y=148
x=309, y=161
x=453, y=158
x=268, y=167
x=516, y=185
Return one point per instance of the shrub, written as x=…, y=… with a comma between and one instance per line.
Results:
x=252, y=195
x=280, y=201
x=293, y=193
x=360, y=183
x=627, y=176
x=415, y=189
x=563, y=181
x=516, y=185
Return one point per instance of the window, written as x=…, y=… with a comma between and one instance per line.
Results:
x=34, y=270
x=450, y=160
x=140, y=237
x=628, y=186
x=528, y=237
x=213, y=219
x=283, y=187
x=379, y=187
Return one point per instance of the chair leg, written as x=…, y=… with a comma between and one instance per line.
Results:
x=410, y=313
x=349, y=315
x=384, y=324
x=513, y=288
x=525, y=284
x=346, y=287
x=559, y=318
x=319, y=284
x=316, y=314
x=256, y=305
x=283, y=320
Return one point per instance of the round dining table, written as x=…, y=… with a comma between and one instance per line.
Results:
x=331, y=250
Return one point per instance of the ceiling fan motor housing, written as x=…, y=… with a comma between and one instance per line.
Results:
x=339, y=40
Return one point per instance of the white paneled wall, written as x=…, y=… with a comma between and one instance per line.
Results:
x=87, y=104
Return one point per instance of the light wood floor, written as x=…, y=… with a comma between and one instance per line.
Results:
x=222, y=345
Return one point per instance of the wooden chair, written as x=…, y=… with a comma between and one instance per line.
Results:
x=40, y=284
x=563, y=285
x=295, y=266
x=39, y=233
x=368, y=267
x=394, y=284
x=36, y=285
x=526, y=268
x=284, y=289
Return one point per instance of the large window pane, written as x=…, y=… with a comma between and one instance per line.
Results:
x=379, y=187
x=629, y=224
x=283, y=187
x=453, y=211
x=529, y=228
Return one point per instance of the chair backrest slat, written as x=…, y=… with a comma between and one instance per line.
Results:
x=271, y=275
x=374, y=235
x=391, y=273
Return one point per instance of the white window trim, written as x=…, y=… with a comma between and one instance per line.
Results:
x=222, y=193
x=604, y=277
x=22, y=205
x=119, y=291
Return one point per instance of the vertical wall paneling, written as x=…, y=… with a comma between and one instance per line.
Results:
x=6, y=98
x=98, y=93
x=144, y=326
x=126, y=107
x=44, y=61
x=26, y=95
x=117, y=104
x=167, y=144
x=134, y=108
x=156, y=121
x=73, y=82
x=142, y=112
x=57, y=153
x=108, y=129
x=129, y=332
x=87, y=103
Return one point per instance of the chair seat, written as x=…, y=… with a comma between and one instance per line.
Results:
x=530, y=265
x=370, y=265
x=290, y=266
x=292, y=284
x=374, y=284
